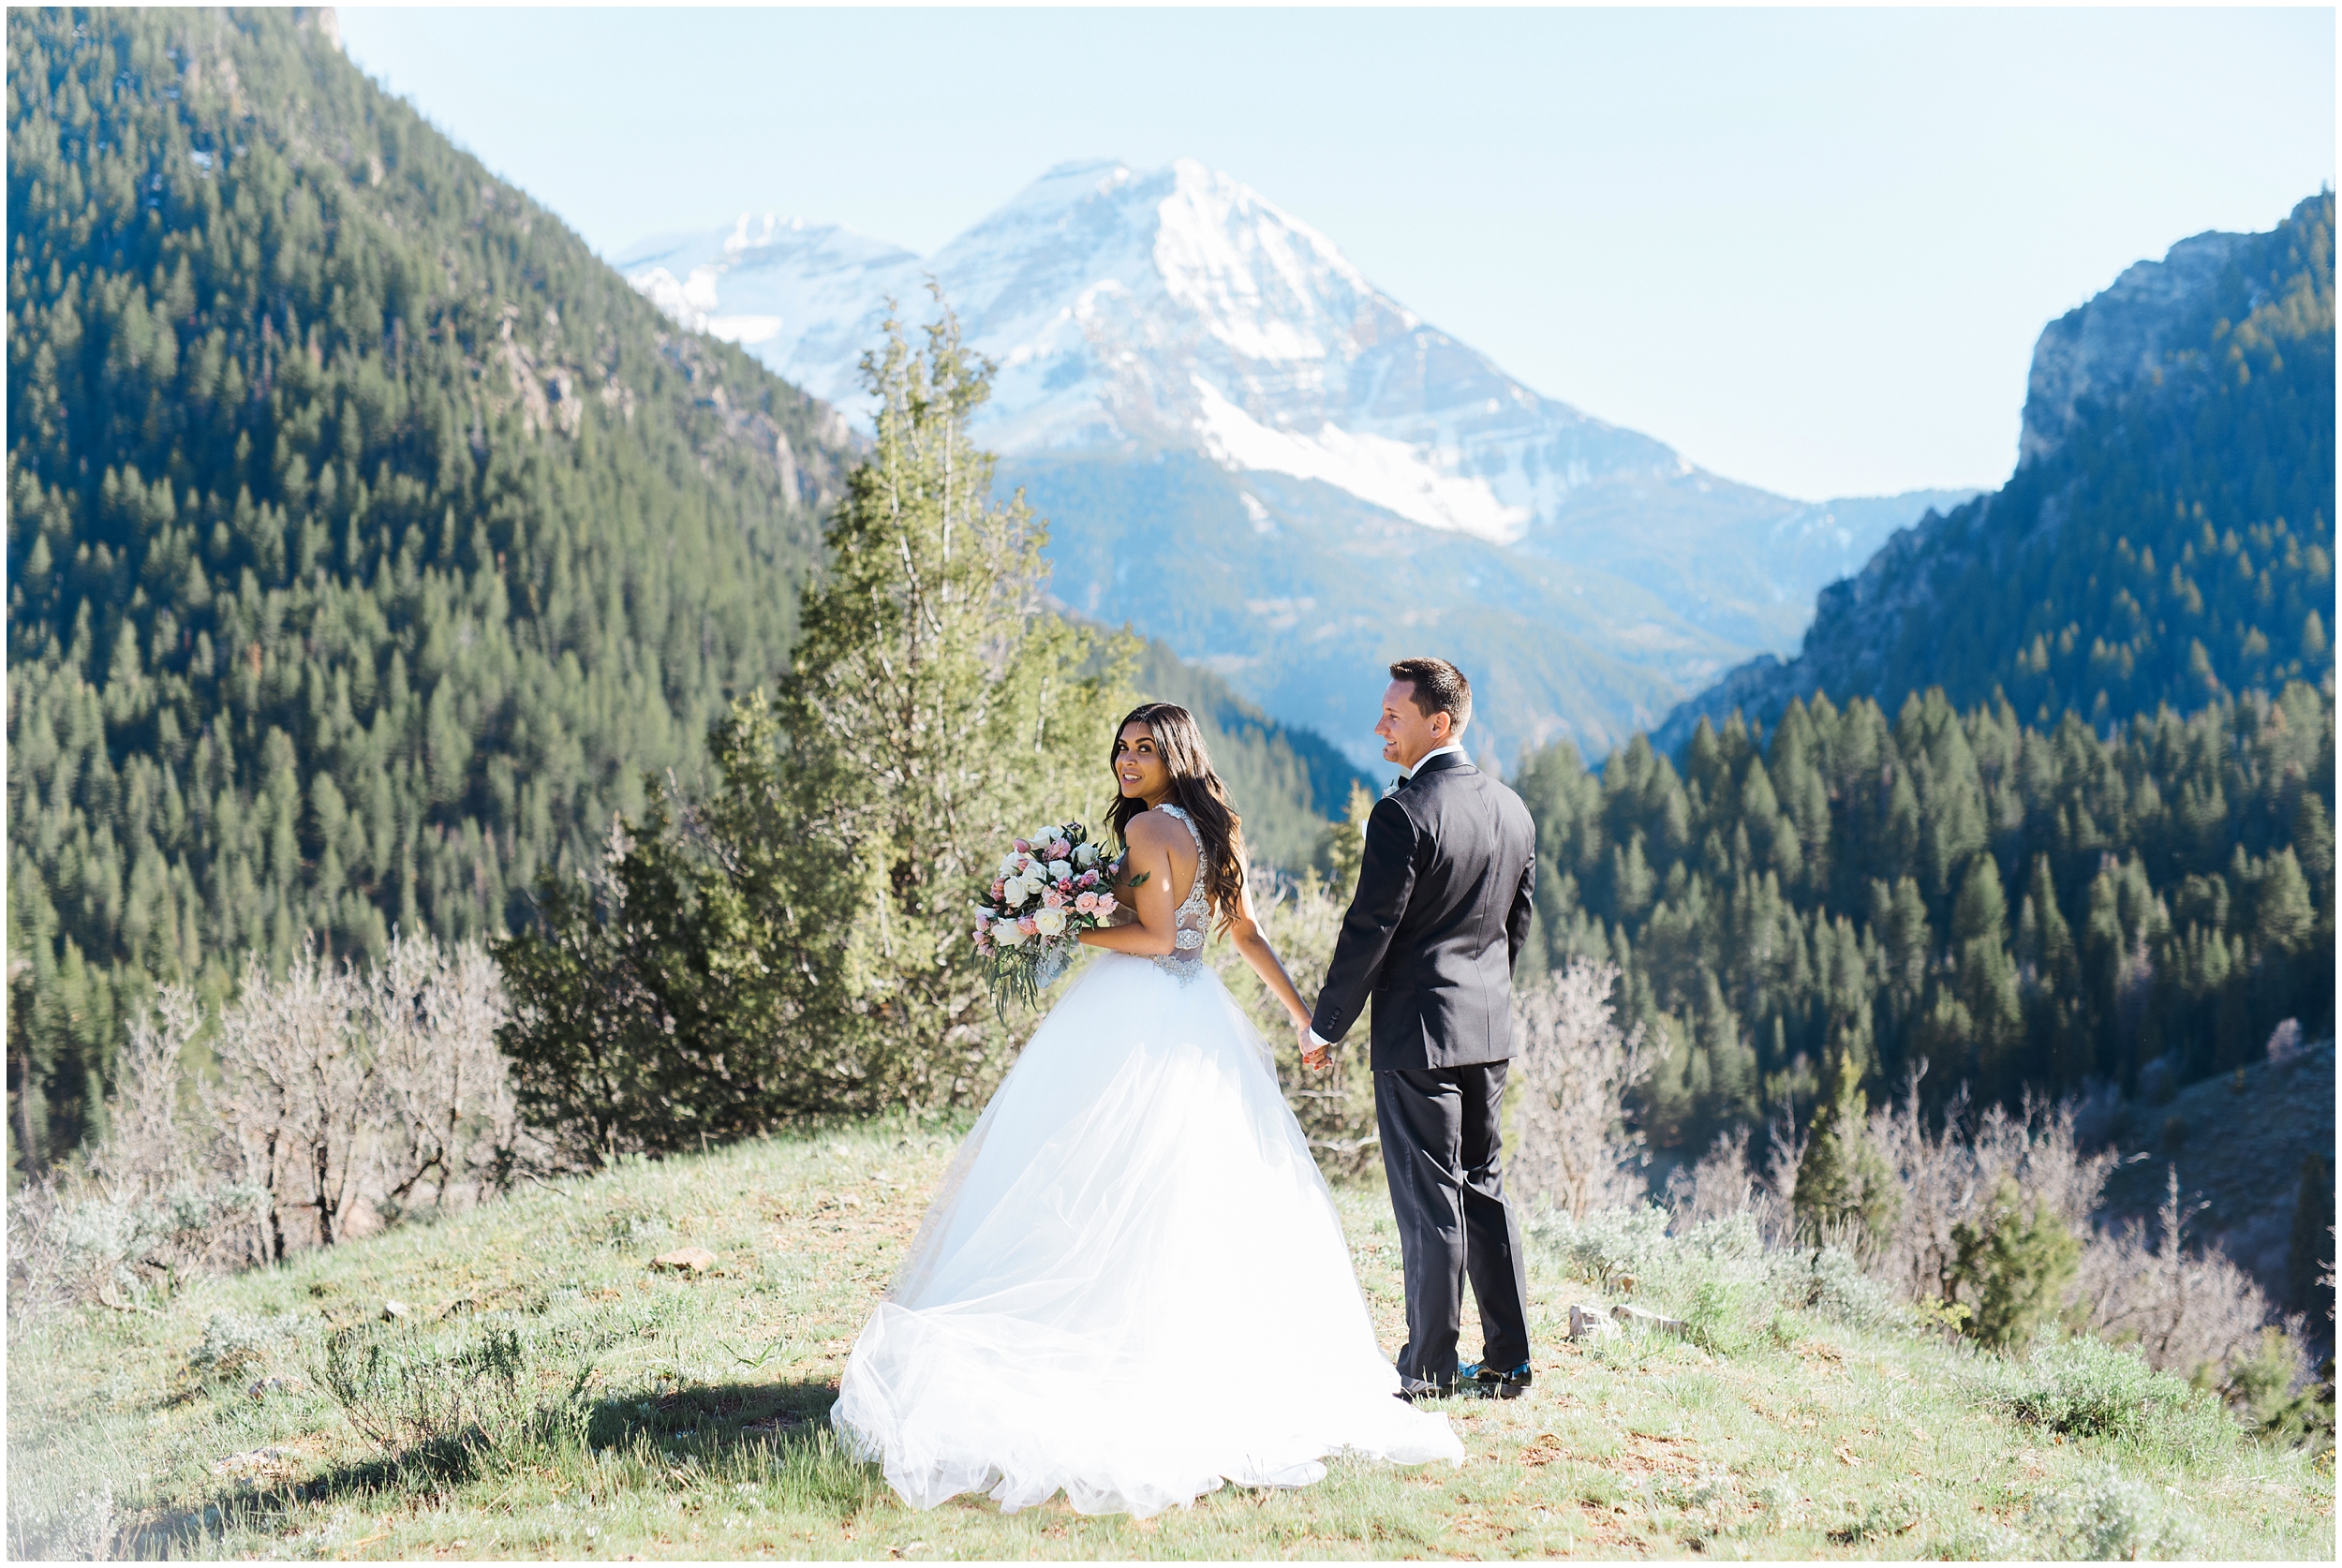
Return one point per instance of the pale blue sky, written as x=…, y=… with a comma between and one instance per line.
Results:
x=1812, y=249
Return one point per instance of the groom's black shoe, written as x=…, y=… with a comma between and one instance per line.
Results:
x=1415, y=1390
x=1493, y=1384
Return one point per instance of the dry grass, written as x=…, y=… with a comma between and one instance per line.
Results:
x=639, y=1413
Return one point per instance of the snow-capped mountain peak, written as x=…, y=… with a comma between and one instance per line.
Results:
x=1175, y=307
x=1221, y=411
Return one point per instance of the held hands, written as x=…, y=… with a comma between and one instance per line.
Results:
x=1314, y=1056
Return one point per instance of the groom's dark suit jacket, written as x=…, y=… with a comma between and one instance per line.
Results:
x=1441, y=912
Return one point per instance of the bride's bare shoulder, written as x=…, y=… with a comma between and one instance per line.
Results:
x=1153, y=827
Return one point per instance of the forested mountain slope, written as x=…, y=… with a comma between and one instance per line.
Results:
x=368, y=538
x=2017, y=906
x=2168, y=537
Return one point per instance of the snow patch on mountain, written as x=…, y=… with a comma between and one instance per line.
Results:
x=1404, y=480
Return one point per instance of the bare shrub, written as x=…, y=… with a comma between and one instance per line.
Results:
x=1951, y=1175
x=1724, y=1183
x=294, y=1095
x=449, y=1123
x=353, y=1096
x=1578, y=1151
x=2189, y=1312
x=342, y=1099
x=146, y=1205
x=145, y=1148
x=1720, y=1184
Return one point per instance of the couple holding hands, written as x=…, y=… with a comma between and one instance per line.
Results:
x=1131, y=1285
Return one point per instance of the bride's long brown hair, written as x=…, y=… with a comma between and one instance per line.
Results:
x=1195, y=790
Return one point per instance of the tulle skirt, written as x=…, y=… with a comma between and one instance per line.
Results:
x=1131, y=1285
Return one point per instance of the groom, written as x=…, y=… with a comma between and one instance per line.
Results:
x=1439, y=914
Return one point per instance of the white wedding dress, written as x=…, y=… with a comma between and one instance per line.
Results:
x=1131, y=1285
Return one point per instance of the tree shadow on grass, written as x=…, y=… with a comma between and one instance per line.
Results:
x=690, y=1437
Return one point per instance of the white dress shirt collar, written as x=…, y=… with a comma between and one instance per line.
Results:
x=1455, y=747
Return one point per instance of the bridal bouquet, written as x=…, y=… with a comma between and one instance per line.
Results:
x=1050, y=887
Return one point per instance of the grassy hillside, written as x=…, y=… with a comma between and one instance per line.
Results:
x=542, y=1392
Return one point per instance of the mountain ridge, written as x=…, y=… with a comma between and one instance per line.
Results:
x=2167, y=535
x=1139, y=314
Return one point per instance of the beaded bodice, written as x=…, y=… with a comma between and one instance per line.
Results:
x=1193, y=918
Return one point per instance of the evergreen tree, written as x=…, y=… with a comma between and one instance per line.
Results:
x=2015, y=1262
x=796, y=939
x=1985, y=980
x=1845, y=1190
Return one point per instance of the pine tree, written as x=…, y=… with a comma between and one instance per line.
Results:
x=2016, y=1263
x=936, y=709
x=1845, y=1190
x=795, y=938
x=2049, y=980
x=1984, y=979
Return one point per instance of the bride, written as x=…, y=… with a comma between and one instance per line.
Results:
x=1131, y=1285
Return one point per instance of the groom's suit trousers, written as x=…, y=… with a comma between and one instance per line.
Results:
x=1440, y=1147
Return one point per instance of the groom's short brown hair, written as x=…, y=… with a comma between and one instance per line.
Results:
x=1439, y=687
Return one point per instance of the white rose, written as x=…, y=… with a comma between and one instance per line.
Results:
x=1085, y=855
x=1050, y=923
x=1012, y=863
x=1006, y=934
x=1059, y=870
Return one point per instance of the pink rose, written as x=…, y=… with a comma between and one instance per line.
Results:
x=1061, y=850
x=1053, y=899
x=1087, y=879
x=999, y=890
x=1105, y=903
x=1028, y=926
x=1087, y=904
x=1022, y=846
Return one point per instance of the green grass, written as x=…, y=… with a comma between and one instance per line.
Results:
x=548, y=1394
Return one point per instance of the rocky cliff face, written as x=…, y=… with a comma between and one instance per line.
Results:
x=2103, y=352
x=2179, y=419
